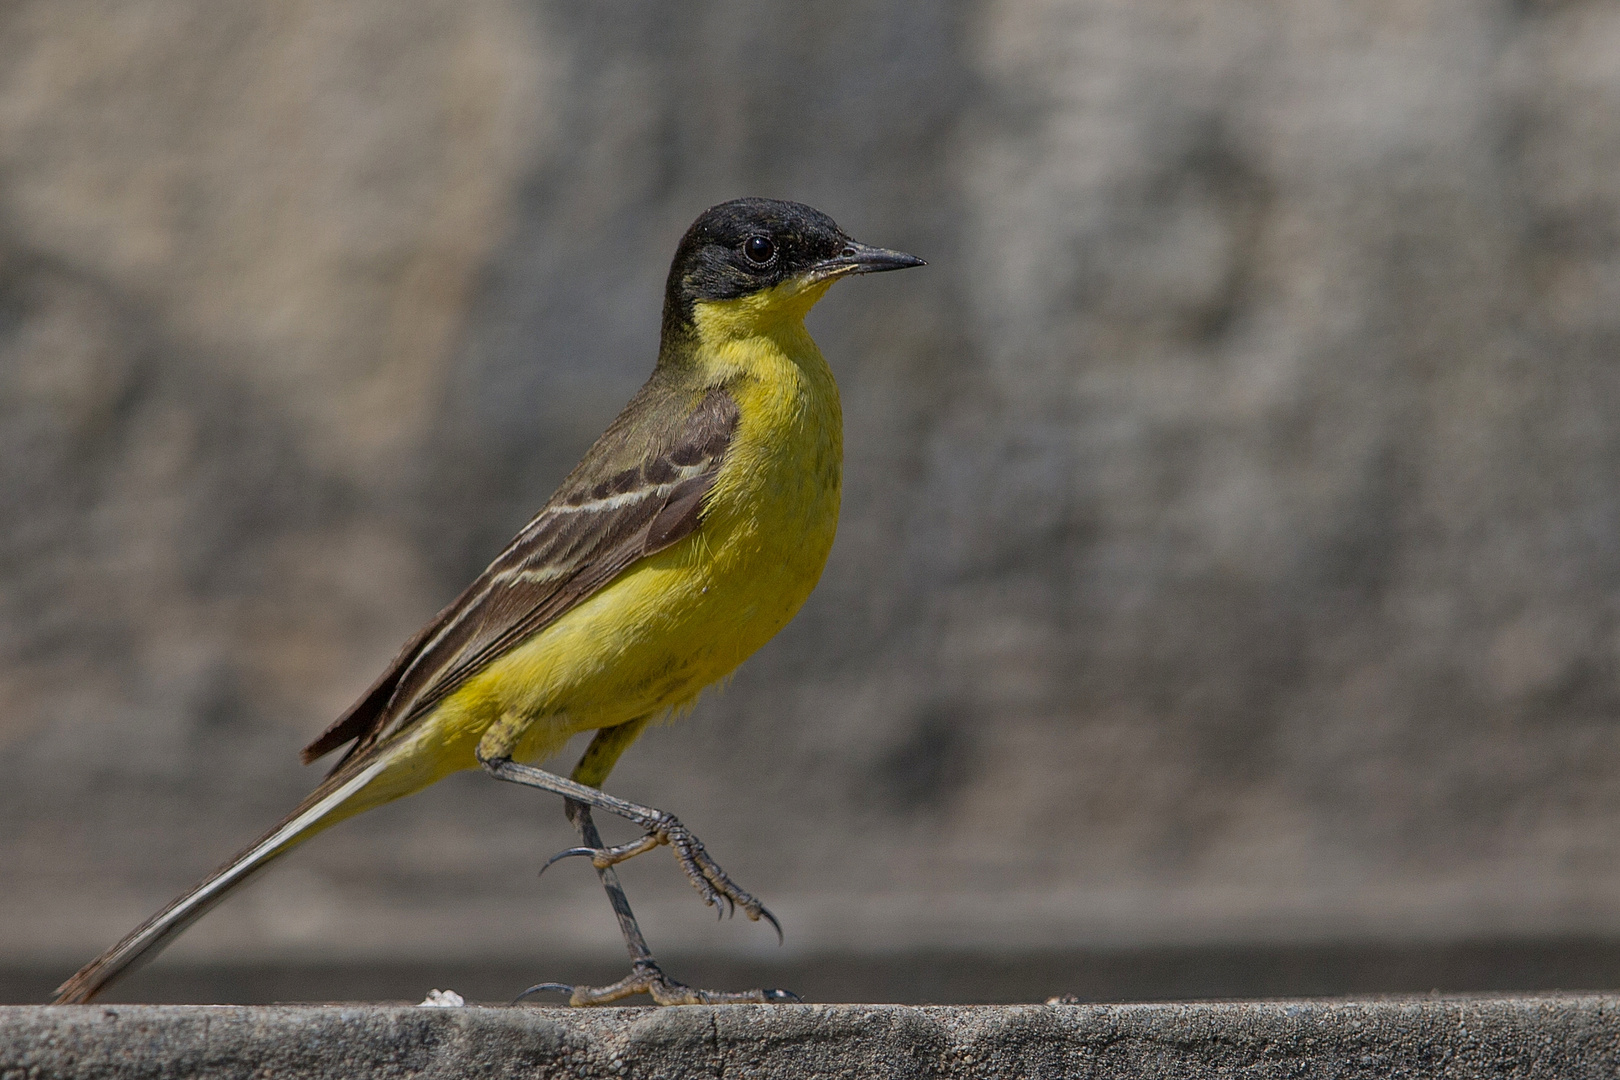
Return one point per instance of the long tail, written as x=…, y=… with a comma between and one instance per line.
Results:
x=149, y=938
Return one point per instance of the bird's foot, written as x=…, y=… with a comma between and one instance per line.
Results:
x=706, y=876
x=646, y=977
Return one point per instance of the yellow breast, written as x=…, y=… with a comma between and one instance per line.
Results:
x=684, y=619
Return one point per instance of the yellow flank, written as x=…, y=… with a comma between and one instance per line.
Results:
x=676, y=622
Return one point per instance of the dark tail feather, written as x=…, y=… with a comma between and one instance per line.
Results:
x=149, y=938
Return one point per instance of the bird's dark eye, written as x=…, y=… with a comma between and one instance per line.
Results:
x=759, y=249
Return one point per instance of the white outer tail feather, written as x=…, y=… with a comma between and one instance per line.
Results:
x=148, y=939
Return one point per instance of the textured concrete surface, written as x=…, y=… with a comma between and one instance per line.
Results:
x=1564, y=1037
x=1186, y=973
x=1231, y=548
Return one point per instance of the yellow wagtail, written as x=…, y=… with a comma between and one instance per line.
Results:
x=691, y=533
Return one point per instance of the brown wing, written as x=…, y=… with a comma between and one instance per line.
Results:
x=638, y=490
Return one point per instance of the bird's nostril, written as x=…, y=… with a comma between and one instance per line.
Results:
x=848, y=253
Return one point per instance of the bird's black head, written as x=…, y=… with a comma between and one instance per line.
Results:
x=746, y=246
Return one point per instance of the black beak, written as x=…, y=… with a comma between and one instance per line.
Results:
x=861, y=259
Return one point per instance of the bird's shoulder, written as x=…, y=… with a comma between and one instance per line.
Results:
x=638, y=490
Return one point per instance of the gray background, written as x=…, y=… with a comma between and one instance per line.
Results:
x=1231, y=543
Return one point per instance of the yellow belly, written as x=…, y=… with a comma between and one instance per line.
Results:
x=672, y=624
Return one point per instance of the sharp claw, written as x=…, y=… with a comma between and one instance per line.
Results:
x=711, y=882
x=563, y=855
x=561, y=988
x=765, y=913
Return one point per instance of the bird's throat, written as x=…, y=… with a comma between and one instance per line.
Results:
x=761, y=313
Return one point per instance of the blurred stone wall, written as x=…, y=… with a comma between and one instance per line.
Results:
x=1231, y=547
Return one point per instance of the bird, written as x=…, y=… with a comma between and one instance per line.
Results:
x=690, y=533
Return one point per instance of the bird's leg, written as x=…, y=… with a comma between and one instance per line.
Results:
x=645, y=977
x=711, y=882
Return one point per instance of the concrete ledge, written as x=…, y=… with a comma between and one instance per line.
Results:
x=1565, y=1036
